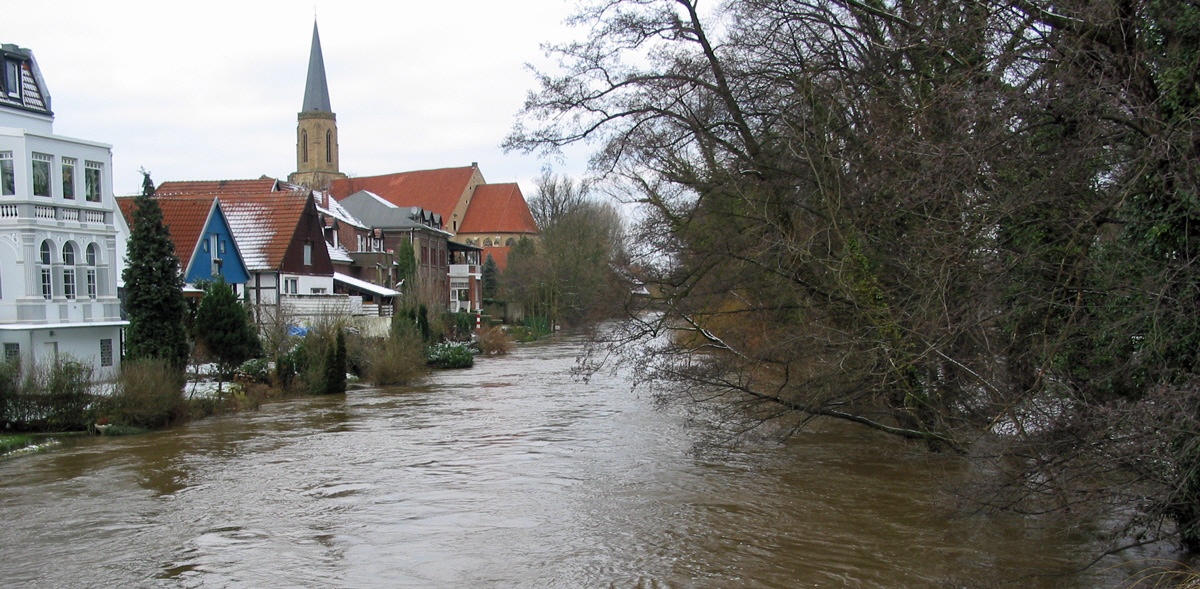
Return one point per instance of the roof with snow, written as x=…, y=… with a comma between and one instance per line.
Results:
x=498, y=208
x=264, y=224
x=364, y=285
x=332, y=209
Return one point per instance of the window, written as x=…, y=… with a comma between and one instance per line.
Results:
x=47, y=284
x=41, y=174
x=8, y=178
x=91, y=180
x=12, y=78
x=69, y=270
x=12, y=351
x=316, y=290
x=328, y=146
x=304, y=145
x=68, y=177
x=91, y=270
x=291, y=285
x=106, y=356
x=308, y=254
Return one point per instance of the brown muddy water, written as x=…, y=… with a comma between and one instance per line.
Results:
x=510, y=474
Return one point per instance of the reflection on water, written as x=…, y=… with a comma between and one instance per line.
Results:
x=506, y=475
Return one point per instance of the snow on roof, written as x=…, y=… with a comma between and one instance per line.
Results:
x=338, y=253
x=364, y=285
x=330, y=207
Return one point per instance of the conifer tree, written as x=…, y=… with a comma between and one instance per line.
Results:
x=223, y=329
x=154, y=302
x=491, y=278
x=335, y=367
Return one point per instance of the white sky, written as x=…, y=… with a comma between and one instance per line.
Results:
x=210, y=90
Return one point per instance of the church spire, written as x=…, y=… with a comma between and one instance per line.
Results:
x=316, y=134
x=316, y=89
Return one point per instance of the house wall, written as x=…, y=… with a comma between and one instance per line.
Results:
x=309, y=231
x=432, y=255
x=38, y=346
x=216, y=233
x=78, y=317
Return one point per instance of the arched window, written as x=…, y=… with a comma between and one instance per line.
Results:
x=304, y=145
x=91, y=257
x=68, y=270
x=510, y=242
x=47, y=281
x=487, y=242
x=328, y=146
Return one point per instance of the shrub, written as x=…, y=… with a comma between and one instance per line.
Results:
x=459, y=326
x=450, y=355
x=53, y=397
x=493, y=341
x=255, y=370
x=149, y=394
x=395, y=360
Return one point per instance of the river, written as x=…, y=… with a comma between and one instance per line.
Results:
x=509, y=474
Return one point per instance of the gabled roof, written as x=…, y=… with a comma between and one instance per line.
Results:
x=434, y=190
x=217, y=187
x=264, y=224
x=184, y=218
x=498, y=208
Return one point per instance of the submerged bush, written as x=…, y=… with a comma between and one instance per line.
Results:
x=53, y=397
x=493, y=341
x=395, y=360
x=148, y=394
x=450, y=355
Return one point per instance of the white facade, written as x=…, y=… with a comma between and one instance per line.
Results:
x=58, y=239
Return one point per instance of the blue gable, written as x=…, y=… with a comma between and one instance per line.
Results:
x=216, y=247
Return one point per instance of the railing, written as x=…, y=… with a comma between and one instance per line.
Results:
x=93, y=216
x=43, y=212
x=9, y=211
x=70, y=214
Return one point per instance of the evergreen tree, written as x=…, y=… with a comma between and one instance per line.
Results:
x=491, y=278
x=154, y=302
x=335, y=367
x=223, y=329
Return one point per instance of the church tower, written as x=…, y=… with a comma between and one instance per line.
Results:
x=316, y=133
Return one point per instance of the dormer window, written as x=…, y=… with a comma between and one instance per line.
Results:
x=12, y=78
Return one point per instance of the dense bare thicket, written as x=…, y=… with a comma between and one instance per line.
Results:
x=969, y=223
x=568, y=275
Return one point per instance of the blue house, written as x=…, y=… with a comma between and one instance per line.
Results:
x=203, y=242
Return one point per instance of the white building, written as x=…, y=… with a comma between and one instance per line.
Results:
x=58, y=242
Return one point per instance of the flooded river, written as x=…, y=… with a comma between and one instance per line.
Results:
x=506, y=475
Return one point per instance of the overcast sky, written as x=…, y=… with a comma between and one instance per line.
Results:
x=210, y=90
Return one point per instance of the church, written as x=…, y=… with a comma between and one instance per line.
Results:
x=478, y=216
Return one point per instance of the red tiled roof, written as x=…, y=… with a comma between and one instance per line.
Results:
x=216, y=187
x=433, y=190
x=263, y=224
x=184, y=219
x=498, y=208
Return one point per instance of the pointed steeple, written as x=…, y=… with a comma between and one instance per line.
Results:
x=316, y=131
x=316, y=90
